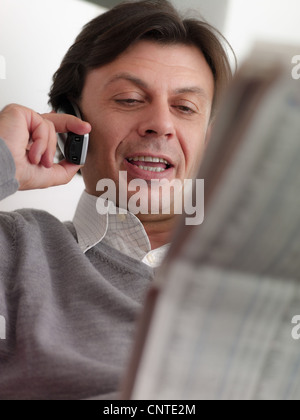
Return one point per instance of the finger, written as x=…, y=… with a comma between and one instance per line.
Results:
x=47, y=158
x=40, y=139
x=65, y=122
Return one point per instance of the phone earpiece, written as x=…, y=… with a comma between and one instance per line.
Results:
x=73, y=146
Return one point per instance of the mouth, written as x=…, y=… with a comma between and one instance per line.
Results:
x=154, y=164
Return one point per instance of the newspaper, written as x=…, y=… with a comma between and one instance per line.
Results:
x=224, y=324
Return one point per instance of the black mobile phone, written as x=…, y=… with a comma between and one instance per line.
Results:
x=73, y=146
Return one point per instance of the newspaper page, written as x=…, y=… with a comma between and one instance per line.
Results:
x=225, y=325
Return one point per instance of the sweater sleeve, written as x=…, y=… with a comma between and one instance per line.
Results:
x=8, y=183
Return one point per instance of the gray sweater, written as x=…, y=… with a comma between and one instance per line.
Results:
x=69, y=317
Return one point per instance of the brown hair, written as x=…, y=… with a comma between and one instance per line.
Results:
x=104, y=38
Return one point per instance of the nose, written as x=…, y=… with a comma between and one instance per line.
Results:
x=157, y=119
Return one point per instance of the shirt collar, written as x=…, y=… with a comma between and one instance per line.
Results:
x=90, y=226
x=124, y=232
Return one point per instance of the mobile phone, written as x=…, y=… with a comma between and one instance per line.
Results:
x=73, y=146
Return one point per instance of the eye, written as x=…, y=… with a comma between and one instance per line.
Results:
x=128, y=101
x=185, y=109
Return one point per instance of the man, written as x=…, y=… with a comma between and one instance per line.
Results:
x=148, y=83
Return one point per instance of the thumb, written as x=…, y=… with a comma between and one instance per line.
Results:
x=64, y=172
x=58, y=174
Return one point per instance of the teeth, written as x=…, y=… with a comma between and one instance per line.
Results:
x=149, y=159
x=148, y=168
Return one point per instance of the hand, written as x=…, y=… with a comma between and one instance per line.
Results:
x=31, y=139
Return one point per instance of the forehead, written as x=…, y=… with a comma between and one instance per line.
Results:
x=177, y=55
x=164, y=66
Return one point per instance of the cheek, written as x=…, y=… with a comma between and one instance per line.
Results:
x=103, y=138
x=194, y=162
x=111, y=128
x=193, y=149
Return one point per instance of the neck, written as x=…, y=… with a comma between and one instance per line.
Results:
x=160, y=231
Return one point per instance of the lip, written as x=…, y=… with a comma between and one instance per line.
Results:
x=137, y=173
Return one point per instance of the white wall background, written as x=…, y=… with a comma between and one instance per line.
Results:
x=214, y=11
x=34, y=37
x=249, y=21
x=35, y=34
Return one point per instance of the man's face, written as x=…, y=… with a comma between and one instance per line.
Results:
x=150, y=111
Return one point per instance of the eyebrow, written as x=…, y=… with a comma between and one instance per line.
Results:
x=193, y=89
x=141, y=83
x=130, y=78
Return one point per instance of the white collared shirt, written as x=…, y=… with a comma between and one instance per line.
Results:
x=124, y=232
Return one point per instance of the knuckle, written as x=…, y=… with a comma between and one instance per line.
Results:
x=50, y=125
x=12, y=108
